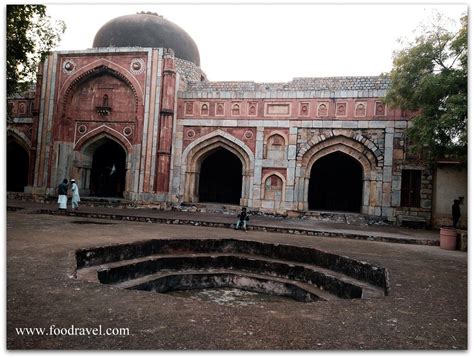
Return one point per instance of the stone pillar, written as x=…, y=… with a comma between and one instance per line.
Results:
x=386, y=207
x=166, y=125
x=256, y=195
x=290, y=195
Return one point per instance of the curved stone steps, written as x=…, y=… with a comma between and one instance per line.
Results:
x=163, y=282
x=325, y=279
x=196, y=260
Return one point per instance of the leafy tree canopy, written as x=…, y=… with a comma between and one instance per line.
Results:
x=429, y=78
x=30, y=35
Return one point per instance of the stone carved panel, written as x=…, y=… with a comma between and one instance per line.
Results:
x=273, y=188
x=220, y=109
x=252, y=111
x=236, y=109
x=379, y=108
x=137, y=66
x=360, y=109
x=205, y=109
x=304, y=109
x=69, y=67
x=278, y=109
x=323, y=110
x=341, y=109
x=189, y=108
x=275, y=148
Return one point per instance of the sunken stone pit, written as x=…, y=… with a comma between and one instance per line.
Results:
x=168, y=265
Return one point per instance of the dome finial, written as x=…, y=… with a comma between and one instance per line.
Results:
x=150, y=13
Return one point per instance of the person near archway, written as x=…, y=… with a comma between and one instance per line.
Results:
x=75, y=195
x=243, y=217
x=456, y=212
x=62, y=195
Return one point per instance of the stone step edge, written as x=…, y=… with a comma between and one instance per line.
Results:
x=90, y=273
x=367, y=289
x=309, y=232
x=323, y=295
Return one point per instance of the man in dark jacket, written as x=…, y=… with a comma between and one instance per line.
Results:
x=62, y=195
x=242, y=219
x=456, y=212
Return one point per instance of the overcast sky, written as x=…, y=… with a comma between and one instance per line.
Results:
x=272, y=42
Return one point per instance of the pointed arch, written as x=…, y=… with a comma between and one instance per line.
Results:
x=198, y=150
x=348, y=137
x=98, y=67
x=20, y=138
x=103, y=131
x=364, y=152
x=84, y=151
x=355, y=149
x=18, y=160
x=283, y=188
x=218, y=138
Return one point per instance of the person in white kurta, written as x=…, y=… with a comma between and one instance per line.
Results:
x=75, y=195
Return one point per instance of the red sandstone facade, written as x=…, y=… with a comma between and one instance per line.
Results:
x=142, y=124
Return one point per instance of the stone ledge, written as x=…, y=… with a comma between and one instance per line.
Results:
x=264, y=228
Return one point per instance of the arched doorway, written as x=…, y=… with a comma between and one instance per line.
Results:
x=17, y=166
x=108, y=170
x=220, y=178
x=336, y=184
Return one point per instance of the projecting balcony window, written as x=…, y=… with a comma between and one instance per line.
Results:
x=104, y=110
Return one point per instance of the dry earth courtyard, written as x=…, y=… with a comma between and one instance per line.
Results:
x=426, y=308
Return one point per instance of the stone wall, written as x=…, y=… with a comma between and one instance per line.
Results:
x=450, y=182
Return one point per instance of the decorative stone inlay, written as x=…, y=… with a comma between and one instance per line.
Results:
x=379, y=109
x=189, y=108
x=278, y=109
x=341, y=109
x=137, y=66
x=204, y=109
x=69, y=67
x=82, y=129
x=360, y=110
x=235, y=109
x=190, y=133
x=252, y=109
x=220, y=109
x=248, y=134
x=323, y=110
x=127, y=131
x=304, y=109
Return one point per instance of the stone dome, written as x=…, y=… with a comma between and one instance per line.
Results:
x=147, y=30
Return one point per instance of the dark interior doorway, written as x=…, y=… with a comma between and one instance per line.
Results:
x=17, y=167
x=335, y=184
x=220, y=180
x=108, y=170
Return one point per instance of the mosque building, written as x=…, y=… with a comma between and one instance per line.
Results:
x=135, y=117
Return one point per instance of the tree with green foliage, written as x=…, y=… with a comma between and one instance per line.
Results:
x=30, y=35
x=429, y=79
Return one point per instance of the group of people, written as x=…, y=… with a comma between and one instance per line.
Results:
x=63, y=190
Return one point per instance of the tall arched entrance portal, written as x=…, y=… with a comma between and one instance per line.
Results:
x=107, y=178
x=336, y=183
x=220, y=178
x=17, y=166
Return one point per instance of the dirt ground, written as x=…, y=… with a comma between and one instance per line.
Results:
x=426, y=309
